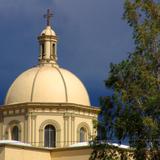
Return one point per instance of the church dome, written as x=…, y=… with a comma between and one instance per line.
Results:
x=47, y=84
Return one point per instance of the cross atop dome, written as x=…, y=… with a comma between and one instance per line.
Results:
x=48, y=16
x=48, y=43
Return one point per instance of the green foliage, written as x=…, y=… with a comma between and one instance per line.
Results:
x=133, y=111
x=108, y=152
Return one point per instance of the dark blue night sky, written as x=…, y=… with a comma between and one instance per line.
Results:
x=91, y=35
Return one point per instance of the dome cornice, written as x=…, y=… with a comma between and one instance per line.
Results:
x=33, y=105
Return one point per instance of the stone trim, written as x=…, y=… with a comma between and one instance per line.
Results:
x=66, y=129
x=33, y=84
x=33, y=105
x=47, y=37
x=64, y=82
x=72, y=129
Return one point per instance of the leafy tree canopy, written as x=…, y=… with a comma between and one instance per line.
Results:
x=133, y=111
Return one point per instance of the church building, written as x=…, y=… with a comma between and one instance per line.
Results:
x=46, y=107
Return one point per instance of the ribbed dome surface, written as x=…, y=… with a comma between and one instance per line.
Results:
x=47, y=84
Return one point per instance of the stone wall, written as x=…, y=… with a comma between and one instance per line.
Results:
x=19, y=152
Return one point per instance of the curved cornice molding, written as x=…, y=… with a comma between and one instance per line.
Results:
x=72, y=106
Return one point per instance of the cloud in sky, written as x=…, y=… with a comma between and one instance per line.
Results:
x=91, y=35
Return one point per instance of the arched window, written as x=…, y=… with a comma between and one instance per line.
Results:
x=83, y=134
x=50, y=136
x=15, y=133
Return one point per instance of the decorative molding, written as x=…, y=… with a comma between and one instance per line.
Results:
x=33, y=116
x=32, y=105
x=72, y=129
x=72, y=117
x=33, y=86
x=64, y=83
x=65, y=119
x=10, y=112
x=66, y=116
x=47, y=37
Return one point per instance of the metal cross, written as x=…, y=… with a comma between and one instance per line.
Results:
x=48, y=16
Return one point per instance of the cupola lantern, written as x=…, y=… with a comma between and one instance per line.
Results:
x=48, y=43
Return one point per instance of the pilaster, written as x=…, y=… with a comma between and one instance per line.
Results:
x=72, y=129
x=33, y=129
x=29, y=128
x=66, y=130
x=26, y=128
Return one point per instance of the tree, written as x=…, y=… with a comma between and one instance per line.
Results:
x=133, y=111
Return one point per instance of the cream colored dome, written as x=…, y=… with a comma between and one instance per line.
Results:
x=47, y=84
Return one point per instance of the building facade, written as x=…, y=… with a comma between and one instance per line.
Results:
x=47, y=106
